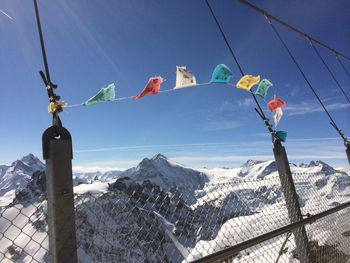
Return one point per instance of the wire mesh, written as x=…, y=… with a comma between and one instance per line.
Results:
x=23, y=232
x=133, y=221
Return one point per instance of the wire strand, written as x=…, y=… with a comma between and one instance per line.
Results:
x=224, y=37
x=42, y=44
x=329, y=70
x=263, y=12
x=342, y=64
x=305, y=78
x=133, y=97
x=261, y=112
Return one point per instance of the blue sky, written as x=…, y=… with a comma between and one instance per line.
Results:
x=93, y=43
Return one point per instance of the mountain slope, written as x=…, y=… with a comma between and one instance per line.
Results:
x=166, y=174
x=161, y=211
x=15, y=177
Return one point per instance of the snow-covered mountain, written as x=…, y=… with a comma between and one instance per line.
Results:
x=15, y=177
x=89, y=177
x=162, y=211
x=166, y=174
x=20, y=174
x=257, y=169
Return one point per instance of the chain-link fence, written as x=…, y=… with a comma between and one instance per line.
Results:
x=130, y=221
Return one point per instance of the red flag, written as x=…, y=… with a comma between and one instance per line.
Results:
x=275, y=103
x=152, y=87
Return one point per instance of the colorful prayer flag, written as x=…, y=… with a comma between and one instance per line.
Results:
x=184, y=78
x=221, y=74
x=104, y=95
x=152, y=87
x=263, y=87
x=275, y=103
x=278, y=115
x=282, y=135
x=247, y=82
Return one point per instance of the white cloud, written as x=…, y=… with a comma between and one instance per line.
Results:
x=307, y=107
x=221, y=125
x=147, y=147
x=218, y=154
x=90, y=169
x=246, y=103
x=104, y=166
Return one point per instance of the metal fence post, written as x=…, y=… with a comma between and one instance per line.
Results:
x=57, y=152
x=292, y=202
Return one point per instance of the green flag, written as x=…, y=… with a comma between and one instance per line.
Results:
x=263, y=87
x=104, y=95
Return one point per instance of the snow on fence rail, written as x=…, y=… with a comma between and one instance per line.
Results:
x=133, y=221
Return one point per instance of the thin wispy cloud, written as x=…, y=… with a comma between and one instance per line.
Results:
x=92, y=169
x=294, y=91
x=307, y=107
x=219, y=125
x=246, y=103
x=203, y=145
x=3, y=12
x=220, y=117
x=155, y=146
x=104, y=166
x=244, y=158
x=217, y=154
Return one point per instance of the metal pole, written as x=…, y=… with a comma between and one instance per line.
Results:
x=57, y=152
x=292, y=202
x=348, y=152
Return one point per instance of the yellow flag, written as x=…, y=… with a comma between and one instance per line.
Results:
x=247, y=82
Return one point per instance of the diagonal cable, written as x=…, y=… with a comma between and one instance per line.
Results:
x=260, y=111
x=290, y=27
x=329, y=70
x=307, y=80
x=342, y=65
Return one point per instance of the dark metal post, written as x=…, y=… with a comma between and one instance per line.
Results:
x=57, y=152
x=292, y=202
x=348, y=151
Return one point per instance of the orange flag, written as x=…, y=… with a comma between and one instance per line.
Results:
x=152, y=87
x=275, y=103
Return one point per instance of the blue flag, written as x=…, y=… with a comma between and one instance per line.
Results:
x=221, y=74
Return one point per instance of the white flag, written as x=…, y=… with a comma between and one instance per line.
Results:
x=278, y=115
x=184, y=78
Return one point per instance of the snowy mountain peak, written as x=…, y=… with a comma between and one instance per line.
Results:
x=166, y=174
x=31, y=159
x=28, y=164
x=320, y=166
x=16, y=176
x=257, y=169
x=145, y=164
x=250, y=163
x=159, y=156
